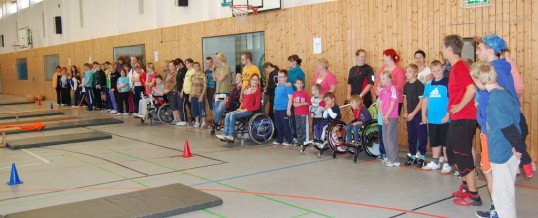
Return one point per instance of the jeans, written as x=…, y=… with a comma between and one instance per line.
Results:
x=89, y=96
x=353, y=130
x=198, y=108
x=283, y=126
x=220, y=106
x=137, y=96
x=229, y=121
x=381, y=144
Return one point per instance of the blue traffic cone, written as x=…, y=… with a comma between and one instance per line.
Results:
x=51, y=107
x=14, y=179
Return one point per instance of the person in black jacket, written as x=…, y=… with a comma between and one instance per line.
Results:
x=272, y=82
x=180, y=79
x=114, y=76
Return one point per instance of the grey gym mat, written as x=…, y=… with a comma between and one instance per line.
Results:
x=31, y=115
x=164, y=201
x=73, y=124
x=16, y=102
x=57, y=140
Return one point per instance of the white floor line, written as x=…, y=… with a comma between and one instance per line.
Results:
x=19, y=166
x=37, y=156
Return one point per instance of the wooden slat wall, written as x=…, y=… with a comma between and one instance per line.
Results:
x=344, y=26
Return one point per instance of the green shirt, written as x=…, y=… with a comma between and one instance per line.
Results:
x=224, y=86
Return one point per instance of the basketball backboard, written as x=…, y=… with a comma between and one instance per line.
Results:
x=262, y=5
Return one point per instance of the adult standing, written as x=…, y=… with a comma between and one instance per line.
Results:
x=180, y=80
x=390, y=63
x=184, y=94
x=223, y=79
x=64, y=85
x=462, y=127
x=424, y=72
x=295, y=70
x=361, y=79
x=249, y=70
x=56, y=85
x=114, y=76
x=324, y=77
x=171, y=90
x=210, y=78
x=271, y=70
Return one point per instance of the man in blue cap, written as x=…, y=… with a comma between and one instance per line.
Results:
x=489, y=49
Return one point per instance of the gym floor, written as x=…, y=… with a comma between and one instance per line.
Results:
x=253, y=180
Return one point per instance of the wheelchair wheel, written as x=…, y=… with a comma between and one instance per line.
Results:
x=165, y=114
x=336, y=136
x=260, y=128
x=370, y=138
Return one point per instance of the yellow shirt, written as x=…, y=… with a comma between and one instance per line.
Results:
x=187, y=84
x=247, y=73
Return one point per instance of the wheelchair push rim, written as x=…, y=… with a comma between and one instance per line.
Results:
x=370, y=138
x=261, y=128
x=336, y=136
x=165, y=114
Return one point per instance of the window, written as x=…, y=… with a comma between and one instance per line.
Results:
x=125, y=53
x=51, y=62
x=233, y=46
x=23, y=4
x=12, y=8
x=22, y=69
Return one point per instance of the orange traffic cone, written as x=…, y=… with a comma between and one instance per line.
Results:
x=186, y=150
x=38, y=102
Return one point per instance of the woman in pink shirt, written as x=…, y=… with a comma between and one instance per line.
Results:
x=390, y=63
x=324, y=77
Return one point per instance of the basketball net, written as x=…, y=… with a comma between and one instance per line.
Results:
x=240, y=12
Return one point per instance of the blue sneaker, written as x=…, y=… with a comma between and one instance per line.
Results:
x=487, y=214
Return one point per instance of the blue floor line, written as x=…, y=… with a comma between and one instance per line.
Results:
x=261, y=172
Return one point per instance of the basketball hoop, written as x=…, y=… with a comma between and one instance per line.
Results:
x=240, y=12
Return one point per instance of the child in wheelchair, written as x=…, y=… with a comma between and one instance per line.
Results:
x=330, y=115
x=361, y=116
x=150, y=103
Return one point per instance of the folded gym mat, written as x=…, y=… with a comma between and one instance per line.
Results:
x=16, y=103
x=31, y=115
x=164, y=201
x=57, y=140
x=75, y=124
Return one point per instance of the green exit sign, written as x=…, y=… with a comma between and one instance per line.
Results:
x=475, y=3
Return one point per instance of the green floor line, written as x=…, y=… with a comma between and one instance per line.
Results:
x=109, y=171
x=213, y=213
x=300, y=215
x=220, y=183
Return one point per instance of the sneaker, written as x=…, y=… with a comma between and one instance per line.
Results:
x=341, y=148
x=229, y=138
x=461, y=192
x=380, y=157
x=182, y=123
x=113, y=111
x=125, y=113
x=420, y=163
x=431, y=166
x=203, y=125
x=276, y=143
x=108, y=110
x=468, y=200
x=174, y=122
x=457, y=174
x=383, y=161
x=410, y=161
x=487, y=214
x=220, y=136
x=446, y=168
x=196, y=125
x=286, y=144
x=118, y=114
x=390, y=164
x=441, y=159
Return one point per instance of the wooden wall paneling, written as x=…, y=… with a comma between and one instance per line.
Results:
x=442, y=28
x=434, y=49
x=533, y=117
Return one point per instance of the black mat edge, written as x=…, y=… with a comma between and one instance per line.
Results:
x=16, y=103
x=75, y=140
x=31, y=115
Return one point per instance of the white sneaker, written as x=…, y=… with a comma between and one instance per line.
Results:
x=182, y=123
x=107, y=110
x=276, y=143
x=125, y=113
x=431, y=166
x=196, y=125
x=229, y=138
x=203, y=125
x=390, y=164
x=220, y=136
x=441, y=159
x=118, y=114
x=113, y=112
x=446, y=169
x=286, y=144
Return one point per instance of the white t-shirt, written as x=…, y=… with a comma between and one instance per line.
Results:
x=423, y=74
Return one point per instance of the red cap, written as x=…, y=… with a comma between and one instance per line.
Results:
x=392, y=53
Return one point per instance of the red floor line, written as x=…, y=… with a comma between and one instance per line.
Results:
x=320, y=199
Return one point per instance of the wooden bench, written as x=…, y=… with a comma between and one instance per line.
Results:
x=17, y=114
x=4, y=130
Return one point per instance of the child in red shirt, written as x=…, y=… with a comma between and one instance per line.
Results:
x=301, y=102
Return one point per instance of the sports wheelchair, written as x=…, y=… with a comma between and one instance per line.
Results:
x=158, y=109
x=258, y=127
x=335, y=139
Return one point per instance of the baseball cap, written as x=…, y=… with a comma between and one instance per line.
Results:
x=494, y=41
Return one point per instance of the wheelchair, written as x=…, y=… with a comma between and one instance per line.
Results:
x=335, y=139
x=158, y=109
x=232, y=106
x=258, y=127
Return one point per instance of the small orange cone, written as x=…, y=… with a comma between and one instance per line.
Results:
x=186, y=150
x=38, y=102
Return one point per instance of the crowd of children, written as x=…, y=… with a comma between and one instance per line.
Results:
x=438, y=109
